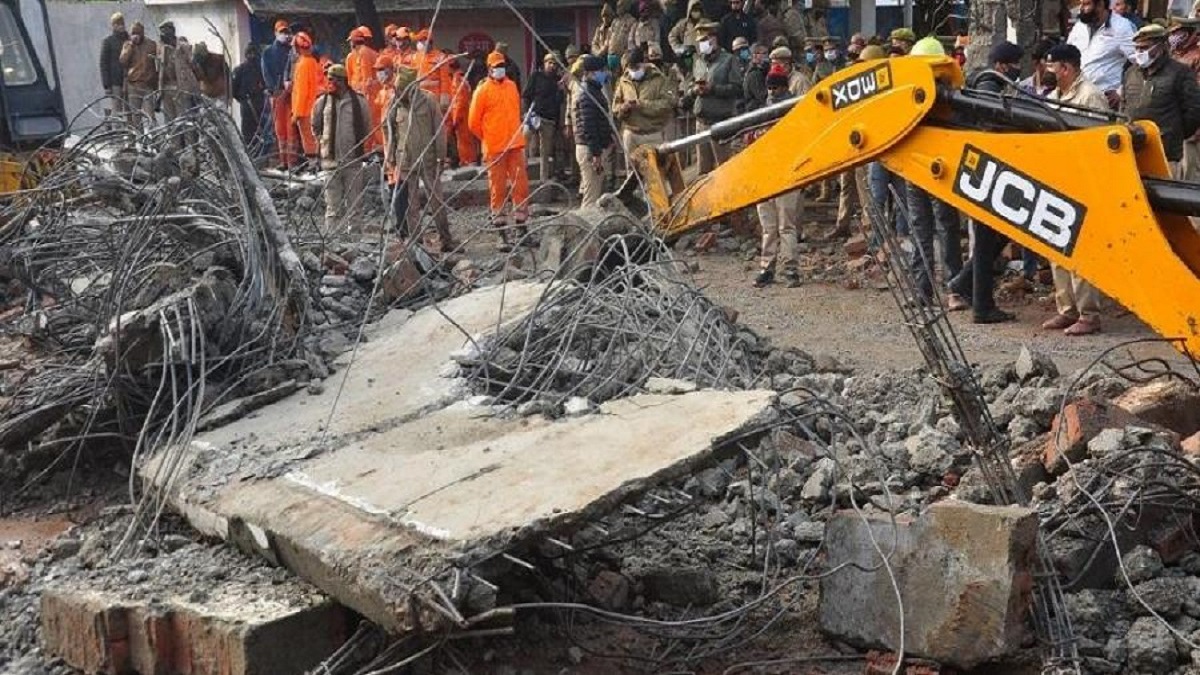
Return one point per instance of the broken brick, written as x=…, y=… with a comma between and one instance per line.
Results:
x=706, y=242
x=335, y=263
x=1169, y=402
x=855, y=246
x=1080, y=421
x=101, y=632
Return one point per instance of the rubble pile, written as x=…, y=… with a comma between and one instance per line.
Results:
x=631, y=317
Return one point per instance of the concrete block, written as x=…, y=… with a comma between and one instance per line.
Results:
x=964, y=572
x=1191, y=446
x=1170, y=403
x=107, y=632
x=1080, y=421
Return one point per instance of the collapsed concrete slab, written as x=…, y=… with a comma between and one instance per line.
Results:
x=410, y=482
x=963, y=572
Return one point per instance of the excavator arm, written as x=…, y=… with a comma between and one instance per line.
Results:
x=1087, y=191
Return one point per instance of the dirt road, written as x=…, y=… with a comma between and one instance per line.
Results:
x=863, y=328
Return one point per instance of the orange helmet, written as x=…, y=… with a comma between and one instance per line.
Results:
x=361, y=33
x=402, y=32
x=302, y=41
x=384, y=62
x=281, y=26
x=495, y=60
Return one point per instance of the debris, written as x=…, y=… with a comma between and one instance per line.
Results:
x=1031, y=364
x=1167, y=402
x=662, y=385
x=965, y=597
x=681, y=587
x=1079, y=422
x=1141, y=563
x=855, y=246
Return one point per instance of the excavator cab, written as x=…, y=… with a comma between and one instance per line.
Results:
x=32, y=115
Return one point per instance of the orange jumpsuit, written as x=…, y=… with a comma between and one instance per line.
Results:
x=360, y=71
x=379, y=107
x=434, y=70
x=495, y=118
x=307, y=84
x=460, y=103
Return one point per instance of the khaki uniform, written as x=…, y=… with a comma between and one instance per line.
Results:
x=1072, y=294
x=1191, y=146
x=655, y=99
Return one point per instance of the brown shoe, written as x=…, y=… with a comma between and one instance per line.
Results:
x=1059, y=322
x=1084, y=326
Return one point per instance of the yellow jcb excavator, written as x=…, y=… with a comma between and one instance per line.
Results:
x=1087, y=190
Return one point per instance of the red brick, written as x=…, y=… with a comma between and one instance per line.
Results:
x=335, y=263
x=1083, y=420
x=706, y=242
x=1173, y=538
x=400, y=280
x=1168, y=402
x=100, y=632
x=855, y=246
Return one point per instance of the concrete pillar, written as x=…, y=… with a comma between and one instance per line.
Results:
x=862, y=16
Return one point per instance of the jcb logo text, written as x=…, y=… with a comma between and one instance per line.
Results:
x=1019, y=200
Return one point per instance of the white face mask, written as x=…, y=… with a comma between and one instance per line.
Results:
x=1143, y=59
x=420, y=46
x=283, y=37
x=831, y=55
x=637, y=75
x=498, y=73
x=383, y=76
x=705, y=47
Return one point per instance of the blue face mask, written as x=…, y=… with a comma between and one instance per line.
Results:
x=810, y=58
x=600, y=77
x=614, y=61
x=744, y=54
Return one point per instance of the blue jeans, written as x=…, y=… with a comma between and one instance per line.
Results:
x=878, y=180
x=931, y=216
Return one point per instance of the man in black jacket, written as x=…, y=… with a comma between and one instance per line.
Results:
x=1162, y=90
x=755, y=82
x=250, y=91
x=543, y=97
x=112, y=73
x=977, y=280
x=737, y=23
x=593, y=130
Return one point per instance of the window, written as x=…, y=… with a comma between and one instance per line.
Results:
x=16, y=64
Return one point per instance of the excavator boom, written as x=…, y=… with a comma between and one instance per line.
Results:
x=1085, y=190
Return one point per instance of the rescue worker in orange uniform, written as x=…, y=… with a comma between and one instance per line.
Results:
x=405, y=53
x=389, y=37
x=433, y=68
x=495, y=118
x=360, y=63
x=384, y=92
x=465, y=142
x=307, y=83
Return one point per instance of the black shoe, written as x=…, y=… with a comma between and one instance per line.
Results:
x=791, y=279
x=994, y=315
x=764, y=277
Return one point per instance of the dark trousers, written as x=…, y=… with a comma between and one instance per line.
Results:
x=927, y=216
x=977, y=280
x=400, y=207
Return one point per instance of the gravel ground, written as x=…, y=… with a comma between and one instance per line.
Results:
x=863, y=328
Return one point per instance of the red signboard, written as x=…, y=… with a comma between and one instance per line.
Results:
x=476, y=42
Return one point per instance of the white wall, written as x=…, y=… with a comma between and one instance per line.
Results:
x=78, y=28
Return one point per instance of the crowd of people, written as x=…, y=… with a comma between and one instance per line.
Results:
x=654, y=71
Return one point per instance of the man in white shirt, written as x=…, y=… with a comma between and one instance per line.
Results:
x=1105, y=39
